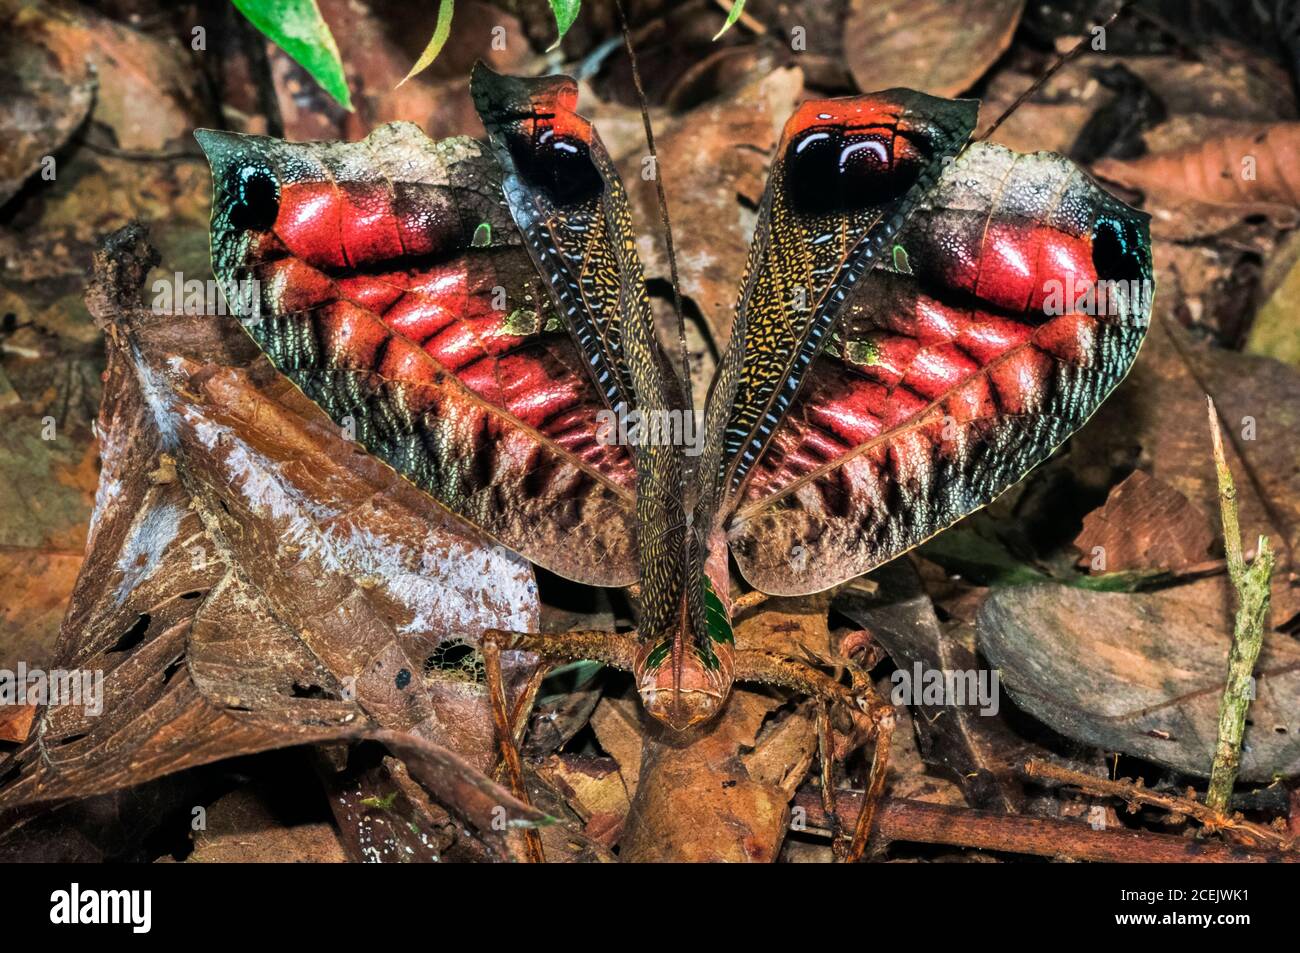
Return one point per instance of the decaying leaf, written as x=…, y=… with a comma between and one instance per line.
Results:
x=976, y=748
x=1145, y=524
x=241, y=827
x=274, y=593
x=146, y=91
x=713, y=164
x=42, y=107
x=1142, y=673
x=1206, y=186
x=936, y=46
x=1146, y=423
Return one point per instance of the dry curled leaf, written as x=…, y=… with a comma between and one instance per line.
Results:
x=276, y=592
x=1214, y=182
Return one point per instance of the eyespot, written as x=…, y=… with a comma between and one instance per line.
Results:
x=829, y=169
x=560, y=165
x=256, y=199
x=1116, y=251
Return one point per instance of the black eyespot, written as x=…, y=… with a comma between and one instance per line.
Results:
x=256, y=199
x=559, y=165
x=1116, y=251
x=829, y=170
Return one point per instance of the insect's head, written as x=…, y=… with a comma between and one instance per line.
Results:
x=685, y=675
x=678, y=685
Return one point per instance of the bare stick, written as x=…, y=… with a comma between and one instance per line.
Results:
x=923, y=823
x=1251, y=585
x=1134, y=793
x=1052, y=70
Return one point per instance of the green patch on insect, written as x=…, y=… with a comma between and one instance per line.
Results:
x=658, y=654
x=863, y=353
x=482, y=235
x=522, y=322
x=715, y=616
x=901, y=263
x=384, y=803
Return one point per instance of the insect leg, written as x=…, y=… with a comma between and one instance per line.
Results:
x=506, y=743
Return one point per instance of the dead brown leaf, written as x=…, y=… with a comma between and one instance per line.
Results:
x=1142, y=673
x=1209, y=185
x=1145, y=524
x=256, y=601
x=935, y=46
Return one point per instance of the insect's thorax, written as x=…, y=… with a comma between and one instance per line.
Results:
x=684, y=667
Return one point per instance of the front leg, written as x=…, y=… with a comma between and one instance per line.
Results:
x=612, y=648
x=772, y=669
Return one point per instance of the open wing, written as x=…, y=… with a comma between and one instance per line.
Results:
x=566, y=197
x=1014, y=301
x=385, y=279
x=846, y=173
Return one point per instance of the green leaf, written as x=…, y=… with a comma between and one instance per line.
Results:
x=297, y=27
x=441, y=30
x=737, y=8
x=566, y=11
x=971, y=554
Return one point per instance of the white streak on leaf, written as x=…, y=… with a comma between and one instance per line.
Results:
x=151, y=534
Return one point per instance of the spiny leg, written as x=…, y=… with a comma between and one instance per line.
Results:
x=772, y=669
x=882, y=716
x=505, y=743
x=612, y=648
x=826, y=752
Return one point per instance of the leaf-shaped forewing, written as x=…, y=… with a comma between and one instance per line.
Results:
x=386, y=281
x=847, y=173
x=567, y=199
x=1017, y=299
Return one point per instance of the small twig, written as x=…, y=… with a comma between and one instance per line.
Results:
x=922, y=823
x=1251, y=584
x=1050, y=72
x=1134, y=793
x=664, y=220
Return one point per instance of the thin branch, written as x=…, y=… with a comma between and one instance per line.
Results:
x=1251, y=584
x=1051, y=71
x=1247, y=832
x=923, y=823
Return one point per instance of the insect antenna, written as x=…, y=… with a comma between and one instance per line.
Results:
x=1050, y=72
x=664, y=219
